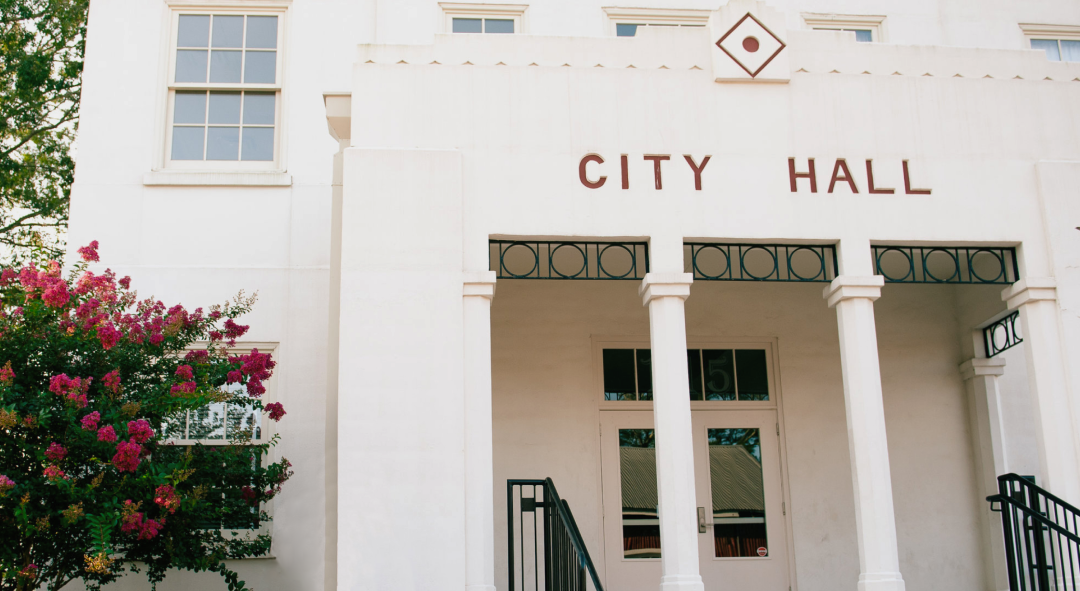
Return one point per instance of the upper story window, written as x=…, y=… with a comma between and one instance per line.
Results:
x=624, y=22
x=483, y=18
x=225, y=90
x=1060, y=42
x=867, y=28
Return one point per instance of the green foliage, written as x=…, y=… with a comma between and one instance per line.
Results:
x=94, y=388
x=41, y=62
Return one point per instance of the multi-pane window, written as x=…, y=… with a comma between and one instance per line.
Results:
x=482, y=25
x=715, y=374
x=225, y=88
x=1059, y=50
x=861, y=35
x=630, y=29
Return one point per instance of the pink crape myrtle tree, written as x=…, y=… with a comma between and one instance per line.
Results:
x=96, y=388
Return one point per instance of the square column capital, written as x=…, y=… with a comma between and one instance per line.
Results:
x=479, y=284
x=659, y=285
x=1030, y=289
x=846, y=287
x=982, y=366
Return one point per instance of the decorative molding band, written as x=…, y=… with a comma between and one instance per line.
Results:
x=981, y=366
x=1030, y=289
x=848, y=287
x=762, y=262
x=661, y=285
x=1051, y=31
x=162, y=178
x=479, y=284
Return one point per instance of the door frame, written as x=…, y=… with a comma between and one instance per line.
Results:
x=771, y=345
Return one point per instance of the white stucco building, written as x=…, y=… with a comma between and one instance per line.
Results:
x=724, y=281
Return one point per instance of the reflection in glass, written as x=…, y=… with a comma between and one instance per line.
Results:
x=224, y=107
x=644, y=374
x=693, y=365
x=207, y=422
x=222, y=143
x=262, y=32
x=494, y=25
x=468, y=25
x=228, y=31
x=190, y=107
x=260, y=67
x=187, y=143
x=193, y=31
x=259, y=108
x=224, y=66
x=738, y=493
x=619, y=374
x=719, y=374
x=245, y=422
x=258, y=143
x=637, y=470
x=191, y=65
x=753, y=374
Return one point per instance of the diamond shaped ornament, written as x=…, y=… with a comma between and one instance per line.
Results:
x=750, y=44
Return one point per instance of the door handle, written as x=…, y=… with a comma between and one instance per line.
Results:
x=701, y=525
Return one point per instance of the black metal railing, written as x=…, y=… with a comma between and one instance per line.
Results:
x=559, y=559
x=1002, y=335
x=1042, y=539
x=946, y=264
x=547, y=259
x=714, y=261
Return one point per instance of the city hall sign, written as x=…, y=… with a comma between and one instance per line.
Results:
x=593, y=177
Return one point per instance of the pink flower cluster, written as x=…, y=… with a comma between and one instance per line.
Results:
x=56, y=452
x=46, y=282
x=166, y=497
x=127, y=456
x=134, y=524
x=74, y=389
x=89, y=252
x=112, y=381
x=107, y=434
x=275, y=410
x=6, y=484
x=54, y=473
x=248, y=494
x=256, y=367
x=184, y=372
x=183, y=388
x=90, y=421
x=108, y=335
x=7, y=376
x=139, y=431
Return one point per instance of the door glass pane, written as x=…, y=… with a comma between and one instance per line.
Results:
x=644, y=374
x=493, y=25
x=753, y=374
x=719, y=374
x=637, y=469
x=693, y=365
x=468, y=25
x=738, y=493
x=1050, y=46
x=619, y=374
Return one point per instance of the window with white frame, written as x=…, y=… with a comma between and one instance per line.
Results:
x=225, y=90
x=867, y=28
x=218, y=433
x=624, y=22
x=483, y=18
x=1061, y=43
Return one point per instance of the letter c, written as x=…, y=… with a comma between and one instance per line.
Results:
x=584, y=177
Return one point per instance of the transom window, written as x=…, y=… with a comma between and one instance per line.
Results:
x=715, y=374
x=1059, y=50
x=483, y=25
x=867, y=28
x=630, y=29
x=861, y=35
x=225, y=88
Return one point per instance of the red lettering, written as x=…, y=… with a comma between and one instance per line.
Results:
x=656, y=160
x=870, y=181
x=697, y=169
x=907, y=184
x=794, y=176
x=841, y=164
x=625, y=172
x=585, y=177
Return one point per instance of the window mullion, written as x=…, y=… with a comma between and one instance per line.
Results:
x=634, y=364
x=735, y=373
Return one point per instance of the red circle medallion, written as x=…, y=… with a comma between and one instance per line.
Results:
x=762, y=551
x=751, y=44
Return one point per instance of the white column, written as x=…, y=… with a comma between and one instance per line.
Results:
x=879, y=563
x=664, y=294
x=1055, y=431
x=987, y=438
x=479, y=288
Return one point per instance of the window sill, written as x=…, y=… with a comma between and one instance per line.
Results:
x=218, y=179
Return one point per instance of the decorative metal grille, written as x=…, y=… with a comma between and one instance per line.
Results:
x=532, y=259
x=761, y=262
x=946, y=264
x=1002, y=335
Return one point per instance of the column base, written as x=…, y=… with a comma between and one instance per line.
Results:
x=681, y=583
x=881, y=582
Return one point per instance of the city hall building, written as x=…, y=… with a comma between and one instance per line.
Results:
x=771, y=291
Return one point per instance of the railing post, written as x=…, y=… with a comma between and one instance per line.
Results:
x=510, y=534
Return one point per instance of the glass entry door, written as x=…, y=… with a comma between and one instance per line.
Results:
x=742, y=536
